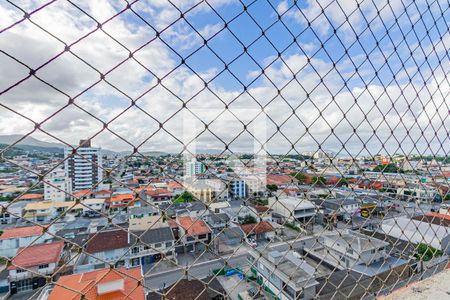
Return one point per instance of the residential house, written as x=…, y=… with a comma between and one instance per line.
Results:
x=105, y=283
x=217, y=222
x=32, y=263
x=283, y=274
x=109, y=246
x=293, y=209
x=14, y=238
x=258, y=231
x=194, y=234
x=151, y=245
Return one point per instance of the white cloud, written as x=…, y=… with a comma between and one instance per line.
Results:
x=38, y=101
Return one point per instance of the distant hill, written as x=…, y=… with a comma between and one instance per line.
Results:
x=30, y=144
x=29, y=141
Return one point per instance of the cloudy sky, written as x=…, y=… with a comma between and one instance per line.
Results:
x=353, y=78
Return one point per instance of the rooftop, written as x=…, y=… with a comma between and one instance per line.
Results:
x=11, y=233
x=37, y=255
x=107, y=240
x=193, y=226
x=72, y=287
x=261, y=227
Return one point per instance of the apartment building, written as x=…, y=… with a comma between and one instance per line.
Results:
x=84, y=167
x=238, y=189
x=57, y=186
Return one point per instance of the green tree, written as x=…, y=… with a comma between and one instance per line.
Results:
x=319, y=180
x=425, y=252
x=247, y=219
x=272, y=187
x=301, y=177
x=389, y=168
x=185, y=197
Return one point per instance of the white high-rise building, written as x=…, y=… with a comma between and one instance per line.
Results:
x=85, y=167
x=57, y=186
x=193, y=168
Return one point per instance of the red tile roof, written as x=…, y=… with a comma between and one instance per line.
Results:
x=83, y=193
x=193, y=226
x=72, y=287
x=37, y=255
x=12, y=233
x=279, y=179
x=107, y=240
x=174, y=185
x=261, y=227
x=31, y=196
x=261, y=208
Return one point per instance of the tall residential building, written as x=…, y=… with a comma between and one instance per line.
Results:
x=57, y=186
x=238, y=189
x=85, y=167
x=193, y=168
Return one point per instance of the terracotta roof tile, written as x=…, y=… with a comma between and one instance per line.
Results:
x=261, y=227
x=86, y=284
x=193, y=226
x=11, y=233
x=37, y=255
x=31, y=196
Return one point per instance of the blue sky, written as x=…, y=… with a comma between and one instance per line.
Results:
x=343, y=79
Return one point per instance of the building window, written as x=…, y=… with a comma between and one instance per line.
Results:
x=169, y=244
x=45, y=266
x=158, y=245
x=135, y=250
x=202, y=236
x=20, y=270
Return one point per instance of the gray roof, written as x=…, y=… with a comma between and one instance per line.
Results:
x=154, y=235
x=218, y=218
x=141, y=210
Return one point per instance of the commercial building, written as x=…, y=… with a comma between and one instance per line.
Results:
x=84, y=167
x=57, y=186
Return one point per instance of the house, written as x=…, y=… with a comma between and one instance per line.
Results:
x=151, y=245
x=191, y=289
x=342, y=207
x=157, y=196
x=293, y=209
x=46, y=211
x=259, y=231
x=108, y=246
x=93, y=205
x=14, y=238
x=105, y=283
x=414, y=231
x=175, y=188
x=283, y=274
x=217, y=222
x=32, y=263
x=31, y=197
x=123, y=201
x=281, y=181
x=194, y=233
x=356, y=251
